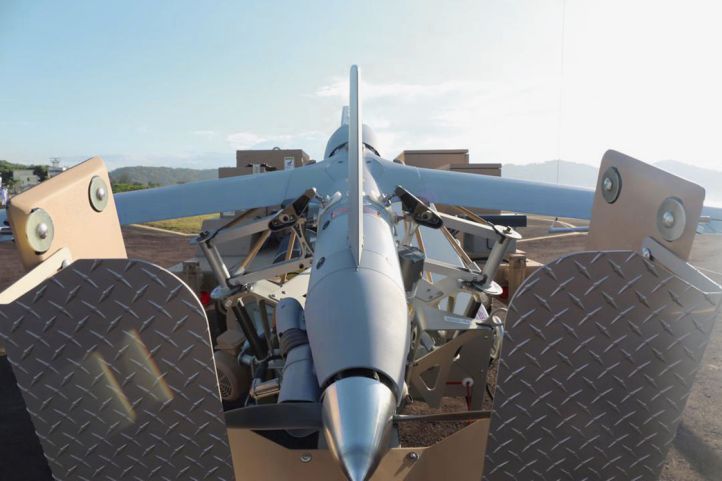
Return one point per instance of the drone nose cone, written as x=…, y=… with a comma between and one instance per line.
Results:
x=358, y=466
x=357, y=414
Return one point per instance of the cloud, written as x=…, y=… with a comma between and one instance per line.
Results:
x=484, y=116
x=205, y=134
x=16, y=123
x=253, y=140
x=339, y=87
x=487, y=117
x=194, y=160
x=245, y=140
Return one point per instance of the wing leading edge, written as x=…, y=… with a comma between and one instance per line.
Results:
x=487, y=192
x=228, y=194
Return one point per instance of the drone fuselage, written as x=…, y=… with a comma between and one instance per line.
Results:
x=358, y=329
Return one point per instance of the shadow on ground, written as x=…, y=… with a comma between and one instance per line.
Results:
x=704, y=459
x=22, y=457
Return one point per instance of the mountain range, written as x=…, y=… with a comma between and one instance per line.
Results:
x=160, y=175
x=584, y=175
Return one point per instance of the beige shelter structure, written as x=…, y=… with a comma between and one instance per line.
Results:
x=456, y=160
x=276, y=159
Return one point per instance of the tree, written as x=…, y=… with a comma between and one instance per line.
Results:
x=41, y=171
x=10, y=183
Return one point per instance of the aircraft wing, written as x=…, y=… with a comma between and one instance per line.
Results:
x=439, y=186
x=218, y=195
x=488, y=192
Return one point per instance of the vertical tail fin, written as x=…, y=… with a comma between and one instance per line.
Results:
x=355, y=166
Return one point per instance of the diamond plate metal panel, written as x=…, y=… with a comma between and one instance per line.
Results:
x=113, y=358
x=600, y=354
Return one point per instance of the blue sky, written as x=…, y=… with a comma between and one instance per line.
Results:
x=185, y=83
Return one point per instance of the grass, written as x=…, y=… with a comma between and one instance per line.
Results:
x=187, y=225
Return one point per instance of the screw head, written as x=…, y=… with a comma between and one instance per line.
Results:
x=646, y=253
x=42, y=230
x=39, y=230
x=671, y=219
x=306, y=458
x=608, y=184
x=413, y=456
x=611, y=185
x=98, y=194
x=668, y=218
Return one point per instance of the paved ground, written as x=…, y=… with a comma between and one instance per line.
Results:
x=695, y=456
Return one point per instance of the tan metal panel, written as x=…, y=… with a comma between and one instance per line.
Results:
x=626, y=222
x=38, y=274
x=76, y=225
x=114, y=361
x=459, y=457
x=599, y=357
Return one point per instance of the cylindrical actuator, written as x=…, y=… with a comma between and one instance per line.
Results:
x=299, y=382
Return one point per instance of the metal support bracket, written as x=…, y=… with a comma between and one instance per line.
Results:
x=56, y=214
x=420, y=212
x=457, y=368
x=646, y=202
x=288, y=218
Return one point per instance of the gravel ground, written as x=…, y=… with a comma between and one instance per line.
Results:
x=695, y=456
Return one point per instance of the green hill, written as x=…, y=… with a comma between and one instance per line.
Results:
x=160, y=175
x=6, y=170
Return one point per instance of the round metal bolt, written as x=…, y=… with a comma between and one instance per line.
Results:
x=413, y=456
x=42, y=230
x=608, y=184
x=611, y=185
x=671, y=219
x=646, y=253
x=306, y=458
x=98, y=194
x=668, y=219
x=39, y=230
